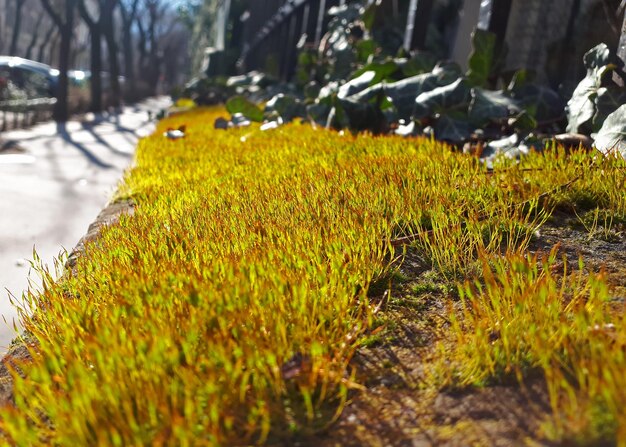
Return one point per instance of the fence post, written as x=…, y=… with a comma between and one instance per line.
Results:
x=311, y=23
x=500, y=12
x=621, y=47
x=467, y=24
x=418, y=18
x=321, y=12
x=295, y=27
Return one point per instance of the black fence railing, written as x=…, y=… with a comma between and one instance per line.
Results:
x=274, y=29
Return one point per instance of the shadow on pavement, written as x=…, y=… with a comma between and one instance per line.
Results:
x=63, y=133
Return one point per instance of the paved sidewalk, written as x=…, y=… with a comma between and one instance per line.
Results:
x=52, y=191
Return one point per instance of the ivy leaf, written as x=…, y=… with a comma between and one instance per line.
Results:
x=284, y=106
x=520, y=79
x=612, y=135
x=542, y=103
x=365, y=48
x=598, y=57
x=318, y=112
x=607, y=100
x=581, y=108
x=449, y=128
x=421, y=62
x=382, y=71
x=524, y=122
x=356, y=84
x=403, y=93
x=452, y=96
x=369, y=15
x=239, y=104
x=481, y=60
x=487, y=105
x=361, y=116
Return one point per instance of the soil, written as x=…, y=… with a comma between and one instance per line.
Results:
x=398, y=408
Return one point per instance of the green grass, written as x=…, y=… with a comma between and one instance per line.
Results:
x=227, y=308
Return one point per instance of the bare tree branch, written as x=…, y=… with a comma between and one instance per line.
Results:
x=56, y=18
x=82, y=9
x=34, y=37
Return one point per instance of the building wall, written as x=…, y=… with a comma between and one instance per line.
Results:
x=537, y=37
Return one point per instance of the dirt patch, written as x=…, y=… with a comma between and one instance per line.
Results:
x=400, y=408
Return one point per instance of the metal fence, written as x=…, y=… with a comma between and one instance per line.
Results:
x=275, y=27
x=536, y=32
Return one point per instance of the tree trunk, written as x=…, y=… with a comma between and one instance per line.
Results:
x=129, y=70
x=142, y=46
x=154, y=60
x=61, y=110
x=65, y=24
x=19, y=4
x=95, y=40
x=96, y=70
x=128, y=18
x=108, y=28
x=41, y=52
x=34, y=38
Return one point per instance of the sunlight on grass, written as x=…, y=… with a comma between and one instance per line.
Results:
x=227, y=308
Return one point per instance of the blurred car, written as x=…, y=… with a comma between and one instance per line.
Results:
x=37, y=79
x=32, y=79
x=25, y=79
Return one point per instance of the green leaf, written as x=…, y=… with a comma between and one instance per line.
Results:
x=357, y=84
x=481, y=60
x=523, y=122
x=382, y=71
x=542, y=103
x=442, y=99
x=421, y=62
x=612, y=135
x=239, y=104
x=318, y=112
x=607, y=100
x=362, y=116
x=487, y=105
x=452, y=129
x=598, y=57
x=403, y=93
x=365, y=49
x=581, y=108
x=285, y=106
x=369, y=15
x=520, y=79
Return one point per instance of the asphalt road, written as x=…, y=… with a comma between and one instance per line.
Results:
x=53, y=190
